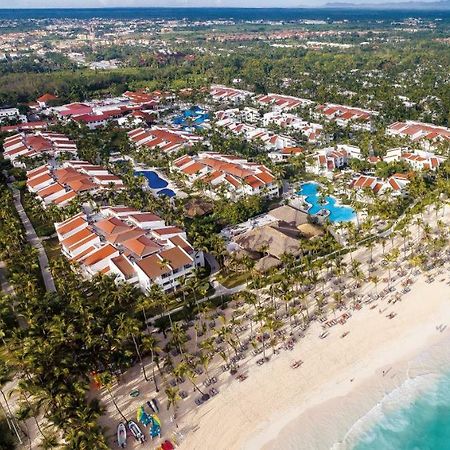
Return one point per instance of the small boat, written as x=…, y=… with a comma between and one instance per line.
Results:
x=155, y=402
x=153, y=405
x=121, y=435
x=136, y=431
x=155, y=428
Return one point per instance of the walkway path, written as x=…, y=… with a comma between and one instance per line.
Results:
x=6, y=287
x=212, y=262
x=34, y=240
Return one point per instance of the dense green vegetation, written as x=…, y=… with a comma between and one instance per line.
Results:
x=373, y=75
x=54, y=343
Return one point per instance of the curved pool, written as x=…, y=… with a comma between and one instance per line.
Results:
x=338, y=213
x=153, y=179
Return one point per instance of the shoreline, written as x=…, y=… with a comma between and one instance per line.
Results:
x=319, y=388
x=357, y=400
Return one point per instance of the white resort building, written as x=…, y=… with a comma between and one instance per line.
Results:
x=31, y=145
x=326, y=160
x=234, y=175
x=162, y=139
x=427, y=134
x=132, y=246
x=59, y=185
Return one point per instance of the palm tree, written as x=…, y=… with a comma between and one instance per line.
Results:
x=173, y=397
x=391, y=258
x=130, y=327
x=9, y=416
x=107, y=380
x=150, y=344
x=204, y=359
x=31, y=410
x=182, y=370
x=375, y=280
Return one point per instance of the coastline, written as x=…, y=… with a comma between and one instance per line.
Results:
x=279, y=403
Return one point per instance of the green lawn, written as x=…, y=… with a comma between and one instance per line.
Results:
x=52, y=248
x=231, y=280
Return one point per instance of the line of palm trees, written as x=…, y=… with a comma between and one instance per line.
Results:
x=96, y=326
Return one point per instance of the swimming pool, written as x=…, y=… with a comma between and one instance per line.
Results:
x=153, y=179
x=167, y=192
x=196, y=115
x=338, y=213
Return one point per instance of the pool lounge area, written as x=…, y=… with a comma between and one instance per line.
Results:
x=157, y=184
x=336, y=212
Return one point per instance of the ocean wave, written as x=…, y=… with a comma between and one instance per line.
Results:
x=390, y=414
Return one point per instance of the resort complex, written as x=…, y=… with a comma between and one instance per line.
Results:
x=224, y=229
x=229, y=174
x=59, y=185
x=132, y=246
x=26, y=145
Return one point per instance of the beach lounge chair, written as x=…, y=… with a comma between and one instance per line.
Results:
x=213, y=392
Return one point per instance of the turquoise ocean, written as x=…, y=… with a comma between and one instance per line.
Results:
x=414, y=416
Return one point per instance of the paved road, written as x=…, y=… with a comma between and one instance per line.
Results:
x=6, y=287
x=34, y=240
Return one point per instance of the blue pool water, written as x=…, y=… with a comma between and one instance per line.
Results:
x=154, y=180
x=167, y=192
x=196, y=114
x=337, y=213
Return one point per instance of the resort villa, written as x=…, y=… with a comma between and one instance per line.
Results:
x=326, y=160
x=269, y=140
x=394, y=184
x=282, y=102
x=311, y=131
x=427, y=134
x=31, y=145
x=285, y=154
x=60, y=185
x=417, y=159
x=233, y=175
x=132, y=246
x=220, y=93
x=162, y=139
x=343, y=115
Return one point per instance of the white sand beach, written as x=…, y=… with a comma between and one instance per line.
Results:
x=341, y=379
